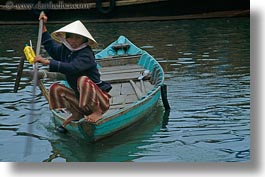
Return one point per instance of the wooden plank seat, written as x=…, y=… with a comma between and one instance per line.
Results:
x=118, y=61
x=116, y=74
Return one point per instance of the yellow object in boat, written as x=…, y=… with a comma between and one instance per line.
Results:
x=29, y=53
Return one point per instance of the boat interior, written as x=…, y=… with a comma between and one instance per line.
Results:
x=127, y=80
x=130, y=81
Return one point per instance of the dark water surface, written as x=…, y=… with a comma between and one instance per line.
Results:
x=207, y=65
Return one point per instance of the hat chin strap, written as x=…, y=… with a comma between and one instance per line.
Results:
x=66, y=44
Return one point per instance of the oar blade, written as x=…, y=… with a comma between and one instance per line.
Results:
x=19, y=73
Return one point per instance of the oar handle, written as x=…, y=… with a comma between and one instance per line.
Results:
x=39, y=35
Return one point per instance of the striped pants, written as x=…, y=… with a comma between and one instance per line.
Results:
x=91, y=97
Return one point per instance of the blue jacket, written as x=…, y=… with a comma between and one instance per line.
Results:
x=73, y=64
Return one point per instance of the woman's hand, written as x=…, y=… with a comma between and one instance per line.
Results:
x=45, y=19
x=40, y=59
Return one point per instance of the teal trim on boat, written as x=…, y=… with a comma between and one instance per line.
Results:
x=124, y=65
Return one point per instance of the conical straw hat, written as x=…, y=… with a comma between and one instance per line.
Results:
x=76, y=27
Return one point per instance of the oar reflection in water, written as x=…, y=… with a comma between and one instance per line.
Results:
x=28, y=146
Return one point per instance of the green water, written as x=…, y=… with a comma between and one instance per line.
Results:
x=207, y=66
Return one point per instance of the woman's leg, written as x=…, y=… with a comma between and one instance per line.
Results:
x=92, y=99
x=63, y=97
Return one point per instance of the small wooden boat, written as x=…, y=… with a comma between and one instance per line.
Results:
x=136, y=78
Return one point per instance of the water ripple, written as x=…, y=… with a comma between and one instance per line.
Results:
x=208, y=78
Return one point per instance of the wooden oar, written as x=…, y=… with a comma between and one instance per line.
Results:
x=19, y=73
x=35, y=83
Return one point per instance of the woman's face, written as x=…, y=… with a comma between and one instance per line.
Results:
x=75, y=40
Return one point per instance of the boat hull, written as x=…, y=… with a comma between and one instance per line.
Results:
x=120, y=120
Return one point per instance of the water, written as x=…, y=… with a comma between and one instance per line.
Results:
x=207, y=66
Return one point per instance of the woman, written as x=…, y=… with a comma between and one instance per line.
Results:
x=88, y=95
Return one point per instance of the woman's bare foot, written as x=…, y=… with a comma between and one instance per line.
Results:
x=75, y=116
x=94, y=117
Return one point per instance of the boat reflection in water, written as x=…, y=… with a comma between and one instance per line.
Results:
x=129, y=142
